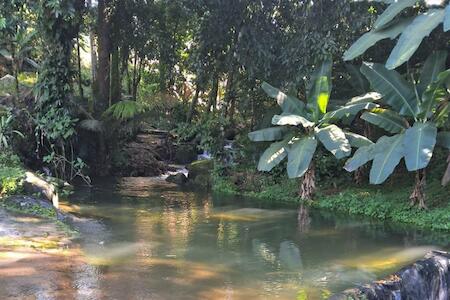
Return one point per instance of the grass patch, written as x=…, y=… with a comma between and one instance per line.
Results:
x=389, y=202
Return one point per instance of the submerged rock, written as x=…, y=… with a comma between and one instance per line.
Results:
x=427, y=279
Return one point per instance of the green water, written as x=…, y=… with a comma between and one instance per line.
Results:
x=146, y=240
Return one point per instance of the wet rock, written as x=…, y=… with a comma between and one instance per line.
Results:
x=34, y=206
x=428, y=278
x=200, y=167
x=178, y=178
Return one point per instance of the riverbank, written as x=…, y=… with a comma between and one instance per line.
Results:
x=389, y=202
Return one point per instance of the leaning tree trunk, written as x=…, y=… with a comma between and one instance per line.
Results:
x=418, y=195
x=308, y=184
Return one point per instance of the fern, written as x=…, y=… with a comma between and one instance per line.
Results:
x=124, y=110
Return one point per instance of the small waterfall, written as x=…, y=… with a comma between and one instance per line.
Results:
x=426, y=279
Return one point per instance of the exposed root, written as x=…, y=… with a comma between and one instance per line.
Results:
x=308, y=185
x=418, y=196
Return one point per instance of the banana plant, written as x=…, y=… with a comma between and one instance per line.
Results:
x=412, y=114
x=412, y=30
x=302, y=126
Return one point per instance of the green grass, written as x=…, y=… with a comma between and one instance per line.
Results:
x=11, y=174
x=389, y=202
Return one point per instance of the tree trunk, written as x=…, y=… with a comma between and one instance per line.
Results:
x=418, y=196
x=308, y=184
x=115, y=76
x=103, y=71
x=193, y=105
x=212, y=102
x=80, y=77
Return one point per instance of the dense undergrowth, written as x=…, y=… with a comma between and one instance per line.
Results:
x=388, y=202
x=11, y=174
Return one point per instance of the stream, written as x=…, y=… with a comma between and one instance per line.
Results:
x=142, y=238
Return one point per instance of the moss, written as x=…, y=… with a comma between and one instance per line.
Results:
x=387, y=202
x=11, y=174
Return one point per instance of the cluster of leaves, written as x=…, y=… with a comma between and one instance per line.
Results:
x=412, y=30
x=11, y=173
x=413, y=115
x=208, y=131
x=300, y=127
x=7, y=132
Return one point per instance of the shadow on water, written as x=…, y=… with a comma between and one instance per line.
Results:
x=144, y=239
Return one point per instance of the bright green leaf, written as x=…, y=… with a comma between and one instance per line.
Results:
x=391, y=12
x=273, y=155
x=293, y=120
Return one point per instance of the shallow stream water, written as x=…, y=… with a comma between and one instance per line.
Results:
x=145, y=239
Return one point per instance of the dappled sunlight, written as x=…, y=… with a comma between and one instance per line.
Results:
x=386, y=259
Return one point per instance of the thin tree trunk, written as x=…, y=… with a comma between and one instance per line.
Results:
x=115, y=76
x=80, y=77
x=212, y=103
x=193, y=104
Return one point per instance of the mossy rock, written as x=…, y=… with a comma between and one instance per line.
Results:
x=185, y=153
x=200, y=167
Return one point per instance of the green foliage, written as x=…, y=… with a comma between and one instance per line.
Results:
x=301, y=127
x=6, y=131
x=414, y=117
x=209, y=131
x=412, y=30
x=124, y=110
x=11, y=173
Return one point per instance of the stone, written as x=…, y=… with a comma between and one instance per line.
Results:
x=179, y=179
x=428, y=278
x=200, y=167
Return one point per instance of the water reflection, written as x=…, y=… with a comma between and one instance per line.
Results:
x=163, y=243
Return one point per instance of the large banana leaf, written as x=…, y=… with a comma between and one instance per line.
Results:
x=273, y=155
x=433, y=66
x=334, y=140
x=288, y=104
x=362, y=156
x=388, y=153
x=356, y=140
x=413, y=35
x=386, y=119
x=348, y=110
x=419, y=143
x=372, y=37
x=391, y=12
x=443, y=139
x=300, y=155
x=396, y=91
x=447, y=18
x=320, y=88
x=293, y=120
x=268, y=134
